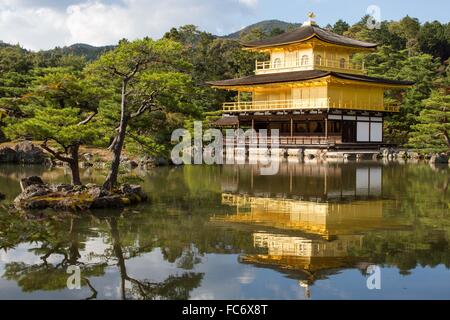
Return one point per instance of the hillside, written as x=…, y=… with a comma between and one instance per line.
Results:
x=4, y=44
x=80, y=49
x=266, y=26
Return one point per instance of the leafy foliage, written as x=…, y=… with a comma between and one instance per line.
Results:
x=53, y=110
x=186, y=58
x=432, y=133
x=60, y=108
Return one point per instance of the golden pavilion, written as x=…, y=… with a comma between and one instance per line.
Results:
x=312, y=91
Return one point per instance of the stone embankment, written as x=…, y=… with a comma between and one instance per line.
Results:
x=38, y=195
x=323, y=154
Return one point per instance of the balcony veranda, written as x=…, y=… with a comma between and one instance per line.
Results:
x=265, y=67
x=305, y=104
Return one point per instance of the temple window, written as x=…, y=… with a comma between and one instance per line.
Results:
x=319, y=60
x=301, y=127
x=342, y=63
x=305, y=60
x=316, y=127
x=277, y=63
x=334, y=126
x=285, y=128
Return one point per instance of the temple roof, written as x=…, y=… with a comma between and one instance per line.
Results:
x=307, y=32
x=228, y=121
x=303, y=76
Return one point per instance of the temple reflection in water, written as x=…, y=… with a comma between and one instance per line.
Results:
x=311, y=221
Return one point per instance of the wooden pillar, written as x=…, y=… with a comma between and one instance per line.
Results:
x=292, y=127
x=290, y=180
x=326, y=127
x=253, y=132
x=251, y=178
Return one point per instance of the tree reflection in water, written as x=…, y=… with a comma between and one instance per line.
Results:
x=61, y=244
x=173, y=288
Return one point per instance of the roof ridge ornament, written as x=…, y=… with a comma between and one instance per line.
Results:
x=310, y=21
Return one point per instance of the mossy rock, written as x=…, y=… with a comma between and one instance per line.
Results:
x=78, y=198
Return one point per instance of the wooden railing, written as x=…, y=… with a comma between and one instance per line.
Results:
x=312, y=63
x=304, y=104
x=286, y=140
x=277, y=105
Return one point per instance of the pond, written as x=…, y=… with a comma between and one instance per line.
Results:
x=313, y=231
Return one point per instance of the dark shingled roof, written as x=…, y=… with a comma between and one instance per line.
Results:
x=306, y=32
x=228, y=121
x=302, y=76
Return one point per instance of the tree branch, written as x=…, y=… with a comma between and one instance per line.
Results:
x=113, y=143
x=116, y=72
x=56, y=154
x=135, y=70
x=88, y=119
x=145, y=105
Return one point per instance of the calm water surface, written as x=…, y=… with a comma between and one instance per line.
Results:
x=228, y=233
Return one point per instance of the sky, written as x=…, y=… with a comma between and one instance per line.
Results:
x=44, y=24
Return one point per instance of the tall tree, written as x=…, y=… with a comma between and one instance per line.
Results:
x=432, y=133
x=394, y=64
x=140, y=74
x=340, y=27
x=381, y=35
x=203, y=50
x=434, y=39
x=16, y=66
x=407, y=28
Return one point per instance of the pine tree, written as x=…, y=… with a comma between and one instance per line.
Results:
x=432, y=133
x=144, y=77
x=59, y=111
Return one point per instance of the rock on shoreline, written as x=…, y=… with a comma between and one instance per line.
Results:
x=391, y=154
x=439, y=158
x=24, y=152
x=38, y=195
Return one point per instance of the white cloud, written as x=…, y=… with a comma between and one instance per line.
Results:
x=45, y=24
x=247, y=277
x=250, y=3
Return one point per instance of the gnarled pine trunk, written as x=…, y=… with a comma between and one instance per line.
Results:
x=74, y=166
x=117, y=146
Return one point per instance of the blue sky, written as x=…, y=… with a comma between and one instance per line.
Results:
x=329, y=11
x=43, y=24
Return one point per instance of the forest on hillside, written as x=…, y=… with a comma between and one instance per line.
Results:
x=43, y=92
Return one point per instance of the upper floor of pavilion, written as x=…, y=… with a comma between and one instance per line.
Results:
x=310, y=48
x=310, y=68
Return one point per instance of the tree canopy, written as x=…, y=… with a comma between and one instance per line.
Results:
x=59, y=111
x=176, y=68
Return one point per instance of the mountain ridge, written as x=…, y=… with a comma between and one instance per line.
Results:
x=91, y=52
x=266, y=26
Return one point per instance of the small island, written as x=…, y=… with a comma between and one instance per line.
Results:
x=65, y=197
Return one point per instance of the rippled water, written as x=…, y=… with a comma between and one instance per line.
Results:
x=211, y=232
